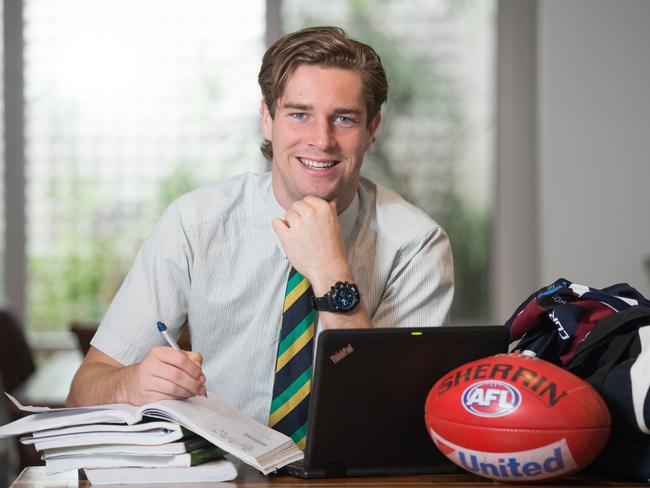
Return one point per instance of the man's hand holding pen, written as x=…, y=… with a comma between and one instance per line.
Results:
x=165, y=373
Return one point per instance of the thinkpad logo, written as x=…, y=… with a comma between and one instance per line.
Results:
x=342, y=354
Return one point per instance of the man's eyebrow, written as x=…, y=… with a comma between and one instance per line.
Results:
x=296, y=106
x=347, y=110
x=306, y=108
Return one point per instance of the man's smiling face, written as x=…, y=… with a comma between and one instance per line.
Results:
x=319, y=134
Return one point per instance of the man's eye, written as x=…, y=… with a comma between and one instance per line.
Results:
x=298, y=115
x=343, y=120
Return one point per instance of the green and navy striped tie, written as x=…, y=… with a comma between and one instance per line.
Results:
x=290, y=406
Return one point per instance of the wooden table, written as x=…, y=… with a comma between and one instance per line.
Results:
x=35, y=477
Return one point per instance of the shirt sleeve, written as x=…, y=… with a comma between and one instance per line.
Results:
x=420, y=288
x=156, y=289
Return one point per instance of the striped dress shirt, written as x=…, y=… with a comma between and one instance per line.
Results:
x=214, y=261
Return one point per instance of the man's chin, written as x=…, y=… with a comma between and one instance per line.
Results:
x=327, y=194
x=328, y=197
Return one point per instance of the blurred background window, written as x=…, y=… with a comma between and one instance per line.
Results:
x=130, y=103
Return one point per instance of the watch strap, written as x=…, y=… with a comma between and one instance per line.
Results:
x=322, y=304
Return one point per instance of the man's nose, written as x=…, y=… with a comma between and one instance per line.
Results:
x=321, y=134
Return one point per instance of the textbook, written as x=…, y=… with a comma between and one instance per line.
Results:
x=180, y=447
x=59, y=463
x=212, y=471
x=211, y=418
x=146, y=433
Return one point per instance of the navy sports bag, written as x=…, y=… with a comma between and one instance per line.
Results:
x=602, y=336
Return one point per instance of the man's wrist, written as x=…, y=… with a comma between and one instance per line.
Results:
x=323, y=282
x=343, y=297
x=123, y=378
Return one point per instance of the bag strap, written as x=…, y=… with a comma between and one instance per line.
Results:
x=612, y=355
x=632, y=318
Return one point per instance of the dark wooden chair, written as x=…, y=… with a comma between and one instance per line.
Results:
x=16, y=360
x=16, y=365
x=84, y=333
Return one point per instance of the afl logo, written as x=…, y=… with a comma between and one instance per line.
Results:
x=491, y=399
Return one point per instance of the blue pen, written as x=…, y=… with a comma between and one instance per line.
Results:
x=162, y=328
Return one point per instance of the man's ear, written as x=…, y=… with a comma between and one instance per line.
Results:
x=267, y=121
x=372, y=128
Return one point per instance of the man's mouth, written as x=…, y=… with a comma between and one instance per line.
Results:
x=313, y=164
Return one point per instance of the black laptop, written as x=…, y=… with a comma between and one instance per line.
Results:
x=366, y=412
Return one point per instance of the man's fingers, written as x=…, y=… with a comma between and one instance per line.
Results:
x=176, y=383
x=196, y=357
x=303, y=209
x=183, y=360
x=318, y=203
x=292, y=218
x=165, y=373
x=280, y=227
x=181, y=368
x=171, y=380
x=160, y=388
x=313, y=201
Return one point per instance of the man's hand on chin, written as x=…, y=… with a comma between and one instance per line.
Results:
x=311, y=237
x=312, y=240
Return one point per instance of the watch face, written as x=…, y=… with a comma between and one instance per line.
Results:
x=346, y=298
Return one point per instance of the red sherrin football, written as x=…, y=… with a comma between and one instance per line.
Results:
x=516, y=418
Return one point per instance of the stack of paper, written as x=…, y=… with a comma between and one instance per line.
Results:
x=125, y=454
x=144, y=445
x=166, y=441
x=212, y=471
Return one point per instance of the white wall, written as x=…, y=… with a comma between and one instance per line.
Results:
x=515, y=255
x=594, y=141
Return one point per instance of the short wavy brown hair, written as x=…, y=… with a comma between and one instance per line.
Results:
x=321, y=46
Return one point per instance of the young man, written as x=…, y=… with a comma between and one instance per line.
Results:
x=220, y=256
